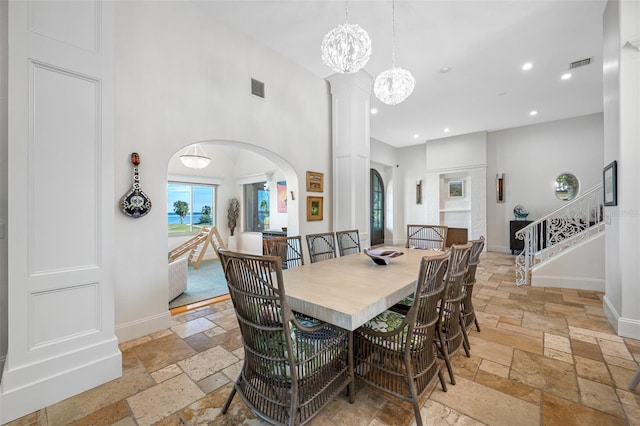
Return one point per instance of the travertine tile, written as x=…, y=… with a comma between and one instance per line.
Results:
x=495, y=352
x=162, y=352
x=82, y=405
x=517, y=340
x=104, y=416
x=472, y=399
x=559, y=355
x=494, y=368
x=559, y=411
x=166, y=373
x=593, y=370
x=630, y=404
x=558, y=343
x=616, y=349
x=192, y=327
x=546, y=374
x=160, y=401
x=213, y=382
x=586, y=350
x=208, y=362
x=600, y=397
x=509, y=387
x=434, y=413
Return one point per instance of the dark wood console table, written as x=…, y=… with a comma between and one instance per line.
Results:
x=515, y=226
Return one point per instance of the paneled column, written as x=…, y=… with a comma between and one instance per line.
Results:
x=351, y=96
x=61, y=337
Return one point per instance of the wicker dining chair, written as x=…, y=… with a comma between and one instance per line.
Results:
x=321, y=246
x=293, y=365
x=466, y=310
x=426, y=236
x=348, y=242
x=289, y=249
x=397, y=353
x=450, y=334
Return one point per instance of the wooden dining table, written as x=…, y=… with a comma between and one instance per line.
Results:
x=350, y=290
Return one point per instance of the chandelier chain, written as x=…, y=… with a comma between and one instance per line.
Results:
x=393, y=33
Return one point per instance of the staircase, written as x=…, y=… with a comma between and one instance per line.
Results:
x=573, y=223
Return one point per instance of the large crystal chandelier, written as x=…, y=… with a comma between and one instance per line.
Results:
x=347, y=48
x=395, y=84
x=194, y=157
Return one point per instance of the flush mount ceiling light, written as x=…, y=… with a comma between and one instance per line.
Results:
x=346, y=48
x=527, y=66
x=194, y=157
x=395, y=84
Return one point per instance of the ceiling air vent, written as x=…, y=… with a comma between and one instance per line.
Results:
x=257, y=88
x=580, y=63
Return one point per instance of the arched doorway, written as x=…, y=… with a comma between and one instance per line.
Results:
x=377, y=208
x=233, y=167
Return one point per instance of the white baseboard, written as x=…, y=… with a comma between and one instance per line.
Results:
x=499, y=249
x=625, y=327
x=610, y=312
x=25, y=390
x=143, y=326
x=577, y=283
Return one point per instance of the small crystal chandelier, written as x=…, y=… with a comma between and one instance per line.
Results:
x=395, y=84
x=194, y=157
x=346, y=48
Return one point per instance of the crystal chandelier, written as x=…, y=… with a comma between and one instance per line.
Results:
x=395, y=84
x=347, y=48
x=194, y=157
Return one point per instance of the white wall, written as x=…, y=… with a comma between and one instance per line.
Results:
x=458, y=158
x=384, y=160
x=531, y=158
x=411, y=168
x=621, y=135
x=3, y=180
x=181, y=78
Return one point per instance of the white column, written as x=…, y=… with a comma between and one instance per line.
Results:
x=351, y=95
x=61, y=337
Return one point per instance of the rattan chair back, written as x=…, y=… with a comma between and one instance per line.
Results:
x=321, y=246
x=451, y=332
x=468, y=312
x=404, y=361
x=289, y=249
x=290, y=370
x=426, y=236
x=348, y=242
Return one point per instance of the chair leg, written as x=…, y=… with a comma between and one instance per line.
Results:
x=475, y=319
x=465, y=342
x=442, y=382
x=465, y=339
x=445, y=355
x=229, y=399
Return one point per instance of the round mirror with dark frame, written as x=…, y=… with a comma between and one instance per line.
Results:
x=566, y=187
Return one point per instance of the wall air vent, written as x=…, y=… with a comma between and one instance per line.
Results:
x=580, y=63
x=257, y=88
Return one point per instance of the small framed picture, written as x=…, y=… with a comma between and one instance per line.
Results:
x=610, y=184
x=456, y=189
x=315, y=182
x=314, y=208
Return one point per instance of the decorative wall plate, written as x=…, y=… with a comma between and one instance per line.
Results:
x=135, y=203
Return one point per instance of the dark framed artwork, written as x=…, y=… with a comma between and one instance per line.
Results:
x=314, y=208
x=610, y=184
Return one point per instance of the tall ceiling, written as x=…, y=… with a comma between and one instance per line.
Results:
x=483, y=43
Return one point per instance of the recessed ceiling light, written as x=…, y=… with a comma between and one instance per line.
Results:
x=566, y=76
x=444, y=70
x=446, y=130
x=374, y=110
x=534, y=112
x=527, y=66
x=416, y=136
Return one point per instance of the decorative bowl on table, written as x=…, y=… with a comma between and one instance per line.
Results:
x=382, y=255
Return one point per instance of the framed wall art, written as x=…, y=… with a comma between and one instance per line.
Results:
x=314, y=208
x=610, y=184
x=456, y=189
x=315, y=182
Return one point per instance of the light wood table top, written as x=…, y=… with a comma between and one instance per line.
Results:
x=348, y=291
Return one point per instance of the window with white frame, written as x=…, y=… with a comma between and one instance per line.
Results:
x=190, y=206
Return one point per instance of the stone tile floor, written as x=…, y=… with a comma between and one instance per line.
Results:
x=544, y=356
